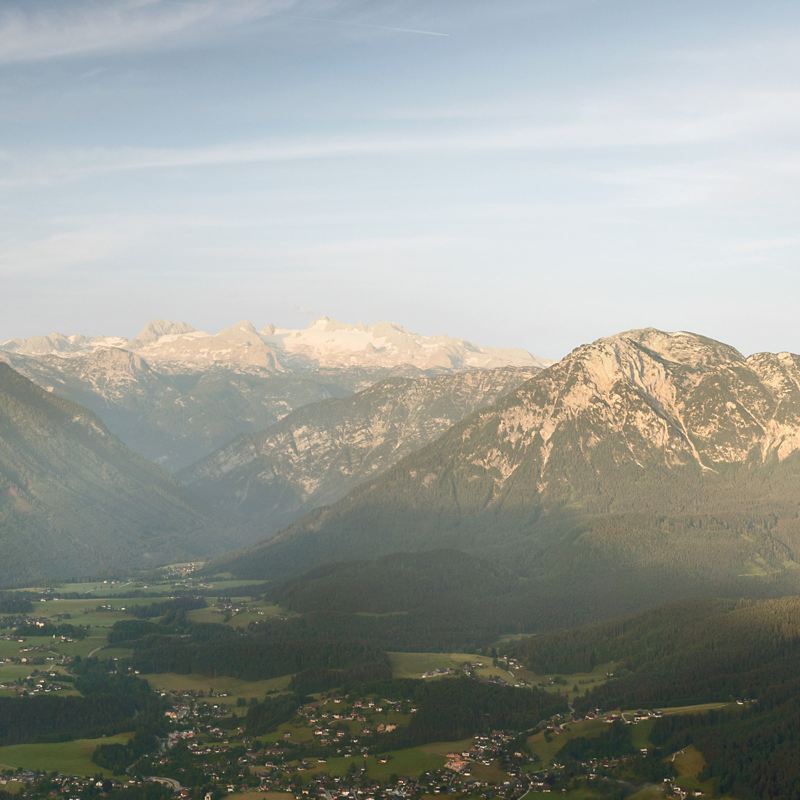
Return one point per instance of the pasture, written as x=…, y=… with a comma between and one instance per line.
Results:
x=70, y=758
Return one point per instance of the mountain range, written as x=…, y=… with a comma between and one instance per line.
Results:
x=175, y=394
x=641, y=466
x=326, y=343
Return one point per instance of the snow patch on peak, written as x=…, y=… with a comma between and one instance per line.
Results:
x=325, y=343
x=328, y=343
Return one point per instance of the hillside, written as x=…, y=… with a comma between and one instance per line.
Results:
x=667, y=459
x=319, y=452
x=74, y=500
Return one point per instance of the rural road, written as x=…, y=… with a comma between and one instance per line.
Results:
x=170, y=782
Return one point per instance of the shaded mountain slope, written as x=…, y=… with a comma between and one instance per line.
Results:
x=74, y=500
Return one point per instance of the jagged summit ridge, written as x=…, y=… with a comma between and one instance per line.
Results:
x=329, y=343
x=325, y=343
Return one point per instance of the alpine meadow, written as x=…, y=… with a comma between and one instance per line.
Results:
x=492, y=491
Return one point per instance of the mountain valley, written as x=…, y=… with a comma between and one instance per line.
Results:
x=472, y=573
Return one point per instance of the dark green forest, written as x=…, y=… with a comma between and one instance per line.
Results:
x=743, y=651
x=110, y=702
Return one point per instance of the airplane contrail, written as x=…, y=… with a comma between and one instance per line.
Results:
x=374, y=27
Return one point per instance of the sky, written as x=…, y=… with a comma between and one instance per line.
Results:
x=531, y=173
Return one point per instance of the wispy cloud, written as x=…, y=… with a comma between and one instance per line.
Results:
x=767, y=245
x=607, y=125
x=61, y=250
x=371, y=26
x=85, y=27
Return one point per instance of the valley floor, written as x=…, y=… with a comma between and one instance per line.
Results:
x=331, y=745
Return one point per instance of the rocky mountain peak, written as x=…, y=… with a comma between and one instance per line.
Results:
x=155, y=329
x=683, y=347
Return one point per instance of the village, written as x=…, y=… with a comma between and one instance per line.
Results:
x=337, y=743
x=332, y=748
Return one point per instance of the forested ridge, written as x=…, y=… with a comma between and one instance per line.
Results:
x=743, y=651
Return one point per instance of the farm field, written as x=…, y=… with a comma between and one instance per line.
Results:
x=71, y=758
x=415, y=665
x=245, y=612
x=408, y=762
x=108, y=603
x=546, y=746
x=689, y=763
x=234, y=688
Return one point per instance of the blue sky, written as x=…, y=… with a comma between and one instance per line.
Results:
x=534, y=173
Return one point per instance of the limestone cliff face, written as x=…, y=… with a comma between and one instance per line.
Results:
x=644, y=398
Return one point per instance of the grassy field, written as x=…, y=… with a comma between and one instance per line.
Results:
x=640, y=735
x=251, y=612
x=255, y=612
x=409, y=762
x=700, y=708
x=99, y=588
x=227, y=586
x=648, y=793
x=414, y=665
x=71, y=758
x=547, y=751
x=297, y=733
x=688, y=764
x=570, y=684
x=233, y=687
